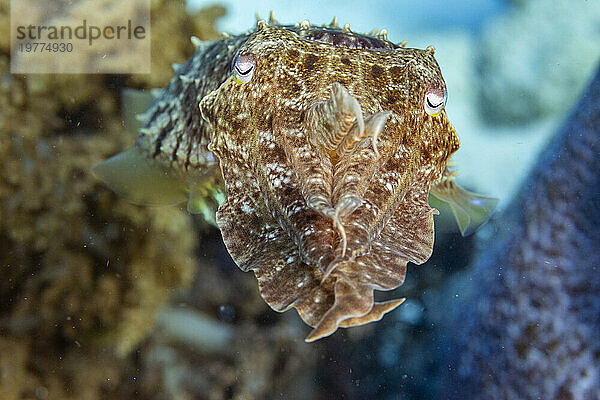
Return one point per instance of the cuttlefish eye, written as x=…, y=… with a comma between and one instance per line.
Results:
x=435, y=101
x=243, y=66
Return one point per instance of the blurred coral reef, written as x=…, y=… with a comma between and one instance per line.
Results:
x=86, y=276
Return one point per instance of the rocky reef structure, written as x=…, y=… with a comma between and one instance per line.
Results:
x=87, y=277
x=531, y=329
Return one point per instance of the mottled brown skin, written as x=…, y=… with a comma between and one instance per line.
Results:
x=321, y=210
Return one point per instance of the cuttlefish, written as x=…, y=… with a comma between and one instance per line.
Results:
x=320, y=148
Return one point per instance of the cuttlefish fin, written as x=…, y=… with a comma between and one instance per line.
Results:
x=134, y=103
x=205, y=199
x=141, y=179
x=470, y=210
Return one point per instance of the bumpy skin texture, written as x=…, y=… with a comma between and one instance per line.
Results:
x=327, y=156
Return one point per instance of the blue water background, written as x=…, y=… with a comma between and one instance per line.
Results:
x=398, y=17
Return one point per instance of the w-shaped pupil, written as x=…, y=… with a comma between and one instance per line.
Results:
x=243, y=72
x=433, y=105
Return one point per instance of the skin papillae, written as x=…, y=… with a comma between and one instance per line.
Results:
x=327, y=157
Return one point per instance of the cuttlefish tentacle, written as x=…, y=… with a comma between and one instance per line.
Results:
x=373, y=127
x=331, y=120
x=350, y=302
x=347, y=195
x=336, y=125
x=354, y=305
x=323, y=207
